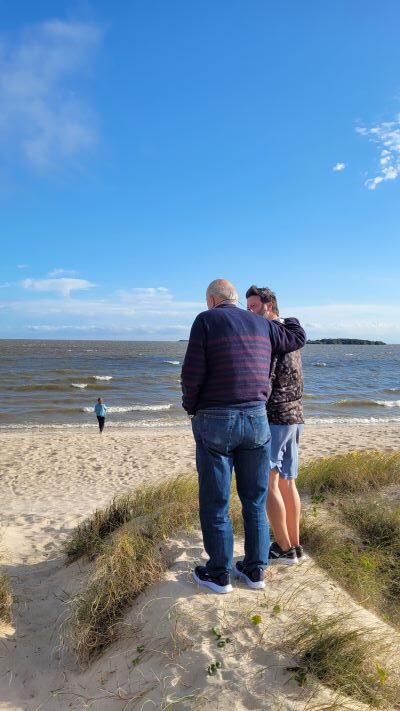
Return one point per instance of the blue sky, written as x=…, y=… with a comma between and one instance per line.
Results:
x=148, y=147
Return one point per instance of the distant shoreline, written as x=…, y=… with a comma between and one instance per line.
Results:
x=346, y=342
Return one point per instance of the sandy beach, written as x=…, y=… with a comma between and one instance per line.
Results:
x=51, y=480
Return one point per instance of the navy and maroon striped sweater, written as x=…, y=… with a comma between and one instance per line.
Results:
x=228, y=358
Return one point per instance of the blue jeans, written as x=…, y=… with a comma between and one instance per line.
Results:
x=227, y=438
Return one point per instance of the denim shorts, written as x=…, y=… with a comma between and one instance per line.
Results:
x=285, y=449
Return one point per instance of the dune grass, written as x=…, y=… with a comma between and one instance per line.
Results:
x=357, y=540
x=345, y=658
x=354, y=472
x=124, y=540
x=5, y=600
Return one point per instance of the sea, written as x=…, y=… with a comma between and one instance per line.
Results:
x=55, y=384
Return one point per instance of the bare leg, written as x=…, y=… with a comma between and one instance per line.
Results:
x=276, y=511
x=291, y=501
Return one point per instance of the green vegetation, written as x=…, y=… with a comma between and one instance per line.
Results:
x=355, y=534
x=352, y=472
x=5, y=600
x=125, y=542
x=347, y=342
x=347, y=660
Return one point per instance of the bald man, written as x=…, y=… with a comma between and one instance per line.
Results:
x=225, y=384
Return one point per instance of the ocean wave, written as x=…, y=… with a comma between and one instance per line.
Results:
x=392, y=390
x=350, y=420
x=79, y=385
x=349, y=354
x=309, y=396
x=102, y=377
x=171, y=362
x=319, y=364
x=388, y=403
x=365, y=403
x=132, y=408
x=150, y=424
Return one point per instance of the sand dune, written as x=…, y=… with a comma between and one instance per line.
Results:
x=50, y=481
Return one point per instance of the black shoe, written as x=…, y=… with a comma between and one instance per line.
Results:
x=253, y=578
x=300, y=554
x=277, y=555
x=218, y=583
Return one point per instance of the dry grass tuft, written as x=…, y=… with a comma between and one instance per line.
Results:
x=125, y=539
x=125, y=568
x=6, y=600
x=351, y=472
x=347, y=660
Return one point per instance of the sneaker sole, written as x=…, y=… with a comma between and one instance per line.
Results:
x=221, y=589
x=283, y=561
x=303, y=558
x=260, y=585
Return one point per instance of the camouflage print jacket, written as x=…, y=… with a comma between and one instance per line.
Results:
x=285, y=405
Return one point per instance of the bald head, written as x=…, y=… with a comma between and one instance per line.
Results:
x=221, y=290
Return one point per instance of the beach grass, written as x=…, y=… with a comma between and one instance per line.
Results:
x=354, y=472
x=352, y=661
x=353, y=532
x=124, y=542
x=6, y=600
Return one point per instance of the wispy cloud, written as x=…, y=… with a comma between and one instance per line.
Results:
x=338, y=167
x=387, y=136
x=41, y=116
x=22, y=266
x=156, y=313
x=61, y=272
x=371, y=321
x=62, y=286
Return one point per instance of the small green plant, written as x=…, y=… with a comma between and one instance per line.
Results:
x=256, y=619
x=221, y=641
x=213, y=668
x=276, y=609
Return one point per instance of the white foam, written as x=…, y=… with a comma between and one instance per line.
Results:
x=79, y=385
x=102, y=377
x=132, y=408
x=171, y=362
x=388, y=403
x=349, y=420
x=320, y=364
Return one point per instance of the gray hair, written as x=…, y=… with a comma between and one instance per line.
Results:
x=223, y=290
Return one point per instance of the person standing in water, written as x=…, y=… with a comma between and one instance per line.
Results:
x=100, y=410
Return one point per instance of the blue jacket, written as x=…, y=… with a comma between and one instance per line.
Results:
x=228, y=358
x=100, y=409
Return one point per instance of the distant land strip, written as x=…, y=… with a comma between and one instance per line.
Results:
x=348, y=342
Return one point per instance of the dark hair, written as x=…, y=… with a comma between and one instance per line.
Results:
x=266, y=295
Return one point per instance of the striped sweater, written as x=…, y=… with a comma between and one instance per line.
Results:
x=228, y=358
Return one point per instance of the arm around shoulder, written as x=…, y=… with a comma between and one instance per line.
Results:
x=288, y=336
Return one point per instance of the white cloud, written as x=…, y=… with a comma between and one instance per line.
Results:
x=61, y=272
x=62, y=286
x=22, y=266
x=156, y=313
x=370, y=321
x=387, y=136
x=339, y=167
x=41, y=116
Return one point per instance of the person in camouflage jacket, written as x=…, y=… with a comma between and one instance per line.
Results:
x=286, y=419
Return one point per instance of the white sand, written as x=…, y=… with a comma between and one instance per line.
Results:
x=50, y=481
